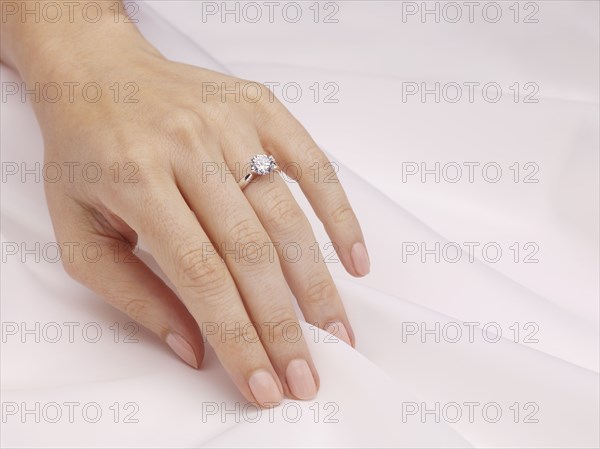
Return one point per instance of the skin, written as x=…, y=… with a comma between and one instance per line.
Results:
x=194, y=226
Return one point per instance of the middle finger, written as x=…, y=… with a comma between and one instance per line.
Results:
x=243, y=243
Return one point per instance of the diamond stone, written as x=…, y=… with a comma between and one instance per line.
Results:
x=261, y=164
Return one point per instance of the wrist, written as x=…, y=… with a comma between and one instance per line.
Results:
x=75, y=45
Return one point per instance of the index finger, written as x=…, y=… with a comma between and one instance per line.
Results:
x=186, y=255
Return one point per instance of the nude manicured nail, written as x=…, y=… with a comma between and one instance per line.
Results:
x=300, y=379
x=182, y=348
x=339, y=330
x=264, y=388
x=360, y=259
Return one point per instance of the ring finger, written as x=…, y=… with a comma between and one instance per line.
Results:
x=295, y=244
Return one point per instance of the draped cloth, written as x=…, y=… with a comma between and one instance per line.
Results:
x=483, y=293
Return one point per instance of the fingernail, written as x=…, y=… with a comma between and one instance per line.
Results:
x=360, y=259
x=339, y=330
x=264, y=388
x=300, y=379
x=182, y=348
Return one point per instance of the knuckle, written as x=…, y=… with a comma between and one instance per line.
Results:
x=284, y=214
x=245, y=231
x=184, y=126
x=280, y=322
x=278, y=315
x=342, y=213
x=234, y=332
x=269, y=108
x=262, y=95
x=309, y=153
x=184, y=120
x=320, y=290
x=249, y=253
x=248, y=242
x=201, y=272
x=135, y=308
x=264, y=90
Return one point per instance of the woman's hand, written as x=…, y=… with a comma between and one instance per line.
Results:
x=170, y=169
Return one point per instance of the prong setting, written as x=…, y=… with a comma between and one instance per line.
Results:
x=262, y=164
